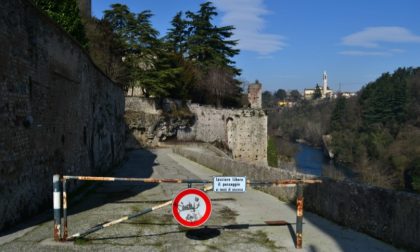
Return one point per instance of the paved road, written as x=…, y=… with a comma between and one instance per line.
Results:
x=237, y=222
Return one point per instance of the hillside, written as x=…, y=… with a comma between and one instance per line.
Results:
x=377, y=133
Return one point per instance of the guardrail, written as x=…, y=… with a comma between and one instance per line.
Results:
x=60, y=201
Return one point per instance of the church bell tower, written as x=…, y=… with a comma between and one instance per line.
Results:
x=325, y=84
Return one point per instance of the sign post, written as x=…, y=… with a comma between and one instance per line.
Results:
x=191, y=207
x=229, y=184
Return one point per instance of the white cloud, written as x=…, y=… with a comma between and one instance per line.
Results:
x=247, y=17
x=371, y=37
x=365, y=53
x=384, y=52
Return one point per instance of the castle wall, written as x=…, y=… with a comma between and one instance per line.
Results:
x=255, y=95
x=58, y=112
x=146, y=105
x=135, y=92
x=244, y=131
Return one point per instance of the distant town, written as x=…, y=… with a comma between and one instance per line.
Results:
x=282, y=98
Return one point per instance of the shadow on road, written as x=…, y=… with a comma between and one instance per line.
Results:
x=89, y=195
x=204, y=233
x=139, y=164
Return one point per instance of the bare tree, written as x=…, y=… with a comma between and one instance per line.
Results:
x=219, y=83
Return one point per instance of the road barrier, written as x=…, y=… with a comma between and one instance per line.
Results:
x=60, y=201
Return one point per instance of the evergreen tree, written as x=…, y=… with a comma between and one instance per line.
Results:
x=135, y=30
x=317, y=94
x=121, y=19
x=66, y=14
x=209, y=47
x=295, y=95
x=337, y=117
x=194, y=57
x=386, y=100
x=146, y=36
x=208, y=44
x=280, y=94
x=151, y=68
x=267, y=99
x=177, y=35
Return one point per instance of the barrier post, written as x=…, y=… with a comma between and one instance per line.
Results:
x=57, y=206
x=65, y=230
x=61, y=231
x=299, y=215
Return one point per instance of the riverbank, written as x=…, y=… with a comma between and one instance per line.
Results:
x=310, y=159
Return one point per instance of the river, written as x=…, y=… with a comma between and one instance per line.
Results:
x=313, y=161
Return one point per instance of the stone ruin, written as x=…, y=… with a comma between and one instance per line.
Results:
x=255, y=95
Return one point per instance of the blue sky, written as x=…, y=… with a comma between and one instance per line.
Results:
x=289, y=43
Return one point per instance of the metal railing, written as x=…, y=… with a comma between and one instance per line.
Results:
x=60, y=201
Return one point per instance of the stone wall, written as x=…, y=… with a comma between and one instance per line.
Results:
x=388, y=215
x=255, y=95
x=150, y=121
x=244, y=131
x=135, y=92
x=146, y=105
x=229, y=167
x=58, y=112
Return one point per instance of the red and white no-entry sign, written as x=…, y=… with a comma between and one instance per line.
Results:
x=191, y=207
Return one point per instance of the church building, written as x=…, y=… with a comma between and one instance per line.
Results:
x=325, y=91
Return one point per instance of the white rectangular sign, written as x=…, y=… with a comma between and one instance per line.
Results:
x=229, y=184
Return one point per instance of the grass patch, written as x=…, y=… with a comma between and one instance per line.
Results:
x=260, y=237
x=158, y=244
x=272, y=153
x=213, y=248
x=135, y=209
x=228, y=214
x=82, y=241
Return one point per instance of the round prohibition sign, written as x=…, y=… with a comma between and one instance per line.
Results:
x=191, y=207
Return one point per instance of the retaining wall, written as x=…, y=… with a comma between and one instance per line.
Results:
x=143, y=104
x=58, y=112
x=244, y=131
x=388, y=215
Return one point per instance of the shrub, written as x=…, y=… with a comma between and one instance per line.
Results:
x=272, y=152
